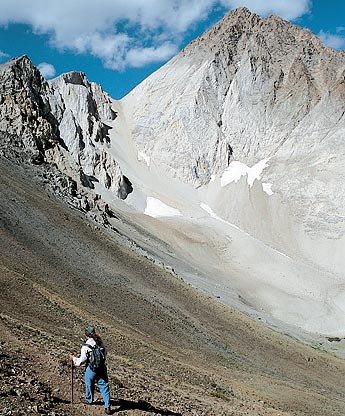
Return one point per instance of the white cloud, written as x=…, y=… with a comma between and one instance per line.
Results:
x=3, y=55
x=139, y=57
x=111, y=49
x=131, y=32
x=47, y=70
x=333, y=41
x=117, y=51
x=128, y=33
x=287, y=9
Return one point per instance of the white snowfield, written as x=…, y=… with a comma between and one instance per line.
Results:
x=267, y=187
x=237, y=169
x=156, y=208
x=206, y=208
x=143, y=157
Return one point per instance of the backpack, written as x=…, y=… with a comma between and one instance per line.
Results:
x=96, y=357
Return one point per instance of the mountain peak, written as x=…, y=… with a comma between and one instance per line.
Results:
x=23, y=62
x=240, y=11
x=228, y=31
x=240, y=14
x=75, y=77
x=241, y=30
x=21, y=59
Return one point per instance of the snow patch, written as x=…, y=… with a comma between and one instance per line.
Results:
x=144, y=157
x=233, y=173
x=156, y=208
x=255, y=171
x=216, y=217
x=236, y=170
x=267, y=187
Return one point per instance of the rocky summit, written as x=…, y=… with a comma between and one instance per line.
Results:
x=257, y=89
x=198, y=223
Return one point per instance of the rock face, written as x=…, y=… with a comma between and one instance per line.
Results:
x=247, y=90
x=24, y=112
x=82, y=109
x=60, y=122
x=240, y=91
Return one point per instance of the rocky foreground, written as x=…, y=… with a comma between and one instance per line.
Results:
x=172, y=349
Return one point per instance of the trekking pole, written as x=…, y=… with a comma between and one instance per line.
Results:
x=72, y=376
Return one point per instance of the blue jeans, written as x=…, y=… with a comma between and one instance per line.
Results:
x=102, y=380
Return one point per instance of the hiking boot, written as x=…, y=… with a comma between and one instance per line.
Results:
x=107, y=411
x=84, y=401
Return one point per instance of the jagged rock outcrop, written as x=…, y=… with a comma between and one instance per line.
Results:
x=25, y=116
x=60, y=121
x=82, y=109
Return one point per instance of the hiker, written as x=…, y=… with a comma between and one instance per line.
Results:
x=93, y=354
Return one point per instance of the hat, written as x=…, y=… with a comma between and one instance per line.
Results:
x=89, y=330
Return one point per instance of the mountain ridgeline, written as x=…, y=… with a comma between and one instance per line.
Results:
x=61, y=121
x=249, y=90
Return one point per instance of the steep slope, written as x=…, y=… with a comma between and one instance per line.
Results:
x=25, y=115
x=172, y=350
x=267, y=239
x=251, y=114
x=247, y=90
x=246, y=85
x=82, y=110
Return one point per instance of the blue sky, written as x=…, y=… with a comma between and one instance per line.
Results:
x=119, y=43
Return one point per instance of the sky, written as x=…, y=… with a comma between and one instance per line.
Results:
x=119, y=43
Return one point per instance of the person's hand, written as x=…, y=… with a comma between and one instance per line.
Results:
x=71, y=356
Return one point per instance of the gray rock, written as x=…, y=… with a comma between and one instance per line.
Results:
x=252, y=88
x=60, y=122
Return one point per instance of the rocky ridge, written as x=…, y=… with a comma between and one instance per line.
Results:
x=59, y=124
x=26, y=118
x=82, y=109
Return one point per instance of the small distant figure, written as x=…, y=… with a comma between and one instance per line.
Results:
x=93, y=353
